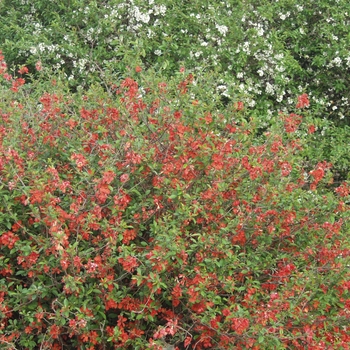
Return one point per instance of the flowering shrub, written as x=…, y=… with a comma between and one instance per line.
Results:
x=269, y=51
x=138, y=216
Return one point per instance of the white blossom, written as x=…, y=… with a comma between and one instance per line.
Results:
x=260, y=32
x=269, y=88
x=160, y=10
x=282, y=16
x=337, y=61
x=139, y=16
x=251, y=103
x=222, y=29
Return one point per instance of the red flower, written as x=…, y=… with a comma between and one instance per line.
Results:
x=80, y=160
x=54, y=331
x=108, y=176
x=129, y=264
x=240, y=324
x=38, y=66
x=276, y=146
x=317, y=174
x=198, y=307
x=177, y=294
x=102, y=192
x=8, y=239
x=122, y=201
x=239, y=238
x=292, y=122
x=23, y=70
x=3, y=65
x=286, y=168
x=311, y=129
x=128, y=235
x=343, y=190
x=239, y=105
x=131, y=86
x=303, y=101
x=255, y=172
x=124, y=178
x=17, y=83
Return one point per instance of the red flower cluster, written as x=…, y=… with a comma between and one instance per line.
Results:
x=291, y=122
x=3, y=65
x=17, y=83
x=303, y=101
x=80, y=160
x=240, y=324
x=318, y=173
x=23, y=70
x=129, y=264
x=8, y=239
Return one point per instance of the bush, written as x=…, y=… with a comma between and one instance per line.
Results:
x=270, y=51
x=142, y=215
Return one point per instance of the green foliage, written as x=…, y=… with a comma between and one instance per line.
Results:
x=270, y=50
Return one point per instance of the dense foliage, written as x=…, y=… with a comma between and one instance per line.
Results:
x=173, y=175
x=267, y=49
